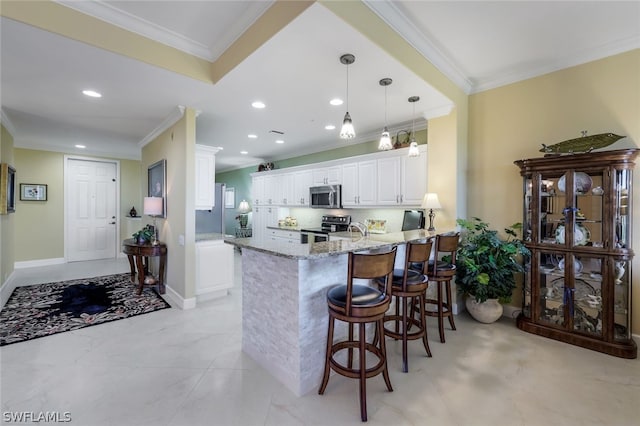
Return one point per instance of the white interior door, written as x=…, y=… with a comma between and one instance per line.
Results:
x=91, y=206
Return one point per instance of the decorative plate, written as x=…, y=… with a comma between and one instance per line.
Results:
x=581, y=235
x=581, y=180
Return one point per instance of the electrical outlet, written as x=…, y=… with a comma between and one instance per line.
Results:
x=181, y=240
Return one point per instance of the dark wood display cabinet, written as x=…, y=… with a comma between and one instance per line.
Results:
x=577, y=224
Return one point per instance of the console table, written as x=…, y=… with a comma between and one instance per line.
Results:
x=141, y=253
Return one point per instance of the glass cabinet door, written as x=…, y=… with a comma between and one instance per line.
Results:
x=587, y=304
x=551, y=297
x=622, y=203
x=621, y=300
x=571, y=208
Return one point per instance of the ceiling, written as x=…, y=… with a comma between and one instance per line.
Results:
x=479, y=45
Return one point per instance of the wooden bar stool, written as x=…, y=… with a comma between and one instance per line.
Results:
x=442, y=272
x=410, y=286
x=360, y=304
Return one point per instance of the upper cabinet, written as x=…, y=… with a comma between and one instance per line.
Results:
x=402, y=180
x=205, y=177
x=359, y=183
x=327, y=175
x=388, y=178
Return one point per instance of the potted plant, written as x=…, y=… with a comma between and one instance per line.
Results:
x=144, y=235
x=486, y=267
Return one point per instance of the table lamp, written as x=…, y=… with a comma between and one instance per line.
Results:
x=153, y=207
x=430, y=201
x=243, y=209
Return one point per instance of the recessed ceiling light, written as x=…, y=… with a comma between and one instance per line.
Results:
x=336, y=102
x=279, y=141
x=244, y=152
x=92, y=93
x=258, y=104
x=252, y=136
x=329, y=127
x=81, y=146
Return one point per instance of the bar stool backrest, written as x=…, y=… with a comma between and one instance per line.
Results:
x=417, y=256
x=370, y=266
x=446, y=245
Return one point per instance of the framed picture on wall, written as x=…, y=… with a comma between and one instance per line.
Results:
x=157, y=183
x=33, y=192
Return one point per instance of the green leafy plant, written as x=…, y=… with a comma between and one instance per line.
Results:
x=486, y=265
x=145, y=233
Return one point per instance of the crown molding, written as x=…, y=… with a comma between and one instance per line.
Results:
x=392, y=16
x=171, y=119
x=583, y=57
x=129, y=22
x=4, y=119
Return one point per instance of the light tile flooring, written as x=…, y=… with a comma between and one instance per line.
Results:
x=182, y=368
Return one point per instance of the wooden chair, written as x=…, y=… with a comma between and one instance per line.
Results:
x=442, y=272
x=360, y=304
x=410, y=286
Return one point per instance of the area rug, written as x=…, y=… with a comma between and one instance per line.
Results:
x=45, y=309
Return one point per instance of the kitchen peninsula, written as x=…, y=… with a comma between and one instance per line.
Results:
x=284, y=308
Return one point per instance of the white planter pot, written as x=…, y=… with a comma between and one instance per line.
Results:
x=486, y=312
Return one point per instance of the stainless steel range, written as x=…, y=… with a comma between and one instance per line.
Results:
x=329, y=224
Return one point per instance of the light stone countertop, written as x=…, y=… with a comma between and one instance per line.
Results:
x=285, y=228
x=330, y=248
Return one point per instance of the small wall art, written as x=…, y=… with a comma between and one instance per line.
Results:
x=157, y=183
x=33, y=192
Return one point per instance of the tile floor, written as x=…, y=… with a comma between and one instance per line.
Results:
x=184, y=368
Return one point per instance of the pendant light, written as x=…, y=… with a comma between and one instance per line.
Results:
x=385, y=139
x=347, y=131
x=413, y=146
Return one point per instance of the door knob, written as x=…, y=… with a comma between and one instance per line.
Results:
x=112, y=223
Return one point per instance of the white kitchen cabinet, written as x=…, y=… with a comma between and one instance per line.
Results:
x=402, y=180
x=283, y=191
x=214, y=269
x=257, y=190
x=302, y=180
x=283, y=235
x=269, y=190
x=413, y=178
x=205, y=177
x=359, y=183
x=263, y=216
x=388, y=181
x=331, y=175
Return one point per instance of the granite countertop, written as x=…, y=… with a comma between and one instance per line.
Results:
x=211, y=237
x=285, y=228
x=330, y=248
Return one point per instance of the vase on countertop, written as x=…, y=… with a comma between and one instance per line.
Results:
x=133, y=212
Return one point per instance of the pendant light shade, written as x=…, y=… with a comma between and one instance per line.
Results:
x=413, y=146
x=385, y=139
x=347, y=131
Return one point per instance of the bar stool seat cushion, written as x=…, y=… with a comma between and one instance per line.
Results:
x=443, y=267
x=362, y=295
x=413, y=277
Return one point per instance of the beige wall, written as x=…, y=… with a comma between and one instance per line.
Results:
x=510, y=123
x=177, y=146
x=38, y=222
x=7, y=234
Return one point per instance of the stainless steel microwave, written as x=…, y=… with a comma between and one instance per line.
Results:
x=326, y=197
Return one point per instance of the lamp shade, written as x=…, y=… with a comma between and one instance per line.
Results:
x=244, y=207
x=430, y=201
x=153, y=206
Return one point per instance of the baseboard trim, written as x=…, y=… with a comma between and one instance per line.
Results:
x=511, y=311
x=178, y=301
x=38, y=262
x=7, y=288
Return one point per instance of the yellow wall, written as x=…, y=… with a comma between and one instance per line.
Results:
x=510, y=123
x=38, y=222
x=7, y=234
x=177, y=146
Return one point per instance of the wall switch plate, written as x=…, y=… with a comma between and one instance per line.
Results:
x=181, y=240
